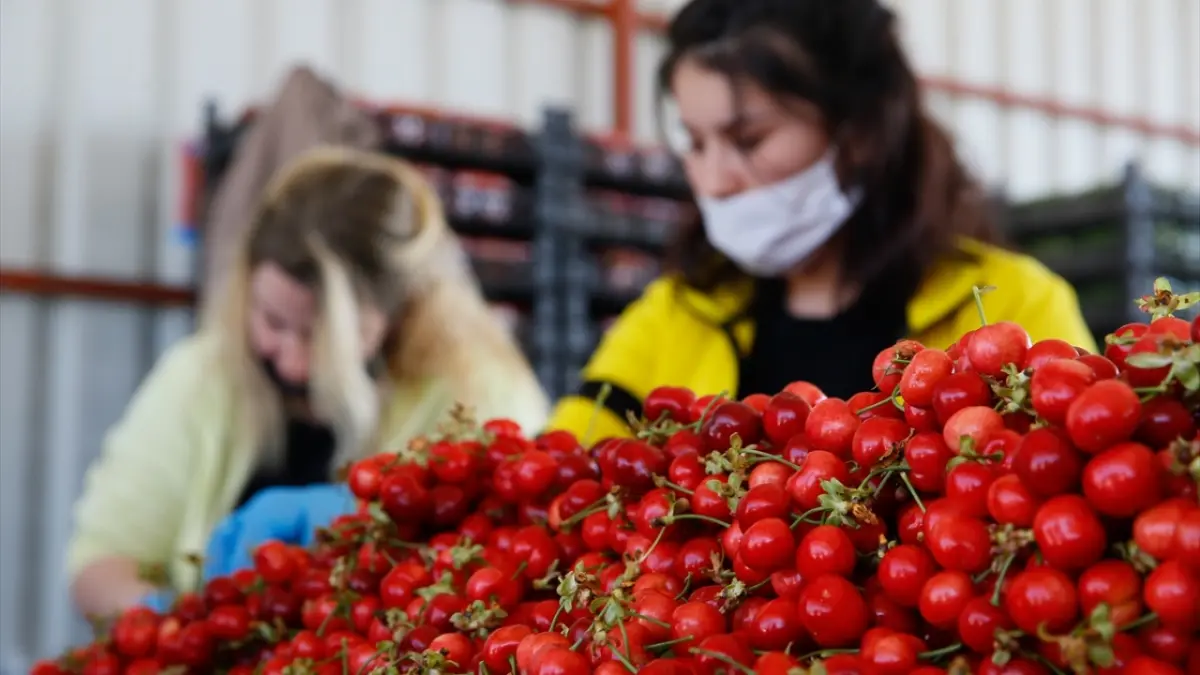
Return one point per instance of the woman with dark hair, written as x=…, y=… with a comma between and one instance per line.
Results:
x=836, y=218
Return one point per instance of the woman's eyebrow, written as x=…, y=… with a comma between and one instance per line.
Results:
x=737, y=123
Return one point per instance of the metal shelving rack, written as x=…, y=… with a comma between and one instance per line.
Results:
x=564, y=284
x=1112, y=242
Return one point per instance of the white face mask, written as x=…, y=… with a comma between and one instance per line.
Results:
x=772, y=229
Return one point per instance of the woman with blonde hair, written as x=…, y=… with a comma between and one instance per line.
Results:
x=351, y=324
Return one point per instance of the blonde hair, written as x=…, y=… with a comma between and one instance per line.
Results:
x=355, y=227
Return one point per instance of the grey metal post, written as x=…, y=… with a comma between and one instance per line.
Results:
x=558, y=194
x=1139, y=239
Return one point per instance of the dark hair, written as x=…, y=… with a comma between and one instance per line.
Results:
x=844, y=57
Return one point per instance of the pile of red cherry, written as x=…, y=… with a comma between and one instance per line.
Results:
x=997, y=507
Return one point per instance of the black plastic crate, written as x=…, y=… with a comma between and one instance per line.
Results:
x=1112, y=242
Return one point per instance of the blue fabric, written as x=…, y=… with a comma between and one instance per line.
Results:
x=287, y=514
x=159, y=601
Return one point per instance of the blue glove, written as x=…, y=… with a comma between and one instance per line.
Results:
x=287, y=514
x=159, y=601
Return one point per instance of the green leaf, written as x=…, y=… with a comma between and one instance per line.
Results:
x=1149, y=361
x=1101, y=655
x=1187, y=300
x=1162, y=285
x=1101, y=621
x=1188, y=374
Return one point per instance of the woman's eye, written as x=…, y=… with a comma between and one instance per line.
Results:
x=746, y=143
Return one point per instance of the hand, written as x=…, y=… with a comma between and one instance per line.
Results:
x=287, y=514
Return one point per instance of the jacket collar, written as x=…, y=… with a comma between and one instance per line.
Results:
x=946, y=289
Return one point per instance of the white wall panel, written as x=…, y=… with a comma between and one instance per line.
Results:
x=96, y=96
x=1027, y=134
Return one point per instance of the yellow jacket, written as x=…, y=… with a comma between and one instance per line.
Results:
x=169, y=470
x=674, y=335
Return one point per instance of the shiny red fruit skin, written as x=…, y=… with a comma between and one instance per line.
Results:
x=831, y=427
x=1009, y=502
x=784, y=417
x=1042, y=595
x=1155, y=530
x=970, y=428
x=960, y=542
x=1173, y=593
x=672, y=403
x=1103, y=415
x=767, y=545
x=1165, y=420
x=921, y=376
x=1116, y=351
x=994, y=346
x=960, y=390
x=1047, y=463
x=1069, y=535
x=833, y=611
x=1123, y=480
x=1045, y=351
x=903, y=571
x=978, y=623
x=1101, y=367
x=877, y=438
x=1055, y=385
x=1187, y=541
x=775, y=625
x=1148, y=665
x=729, y=419
x=890, y=364
x=944, y=597
x=805, y=486
x=825, y=550
x=1116, y=584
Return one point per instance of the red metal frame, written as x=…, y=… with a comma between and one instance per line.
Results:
x=36, y=282
x=626, y=22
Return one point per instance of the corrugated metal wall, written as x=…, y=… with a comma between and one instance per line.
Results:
x=95, y=97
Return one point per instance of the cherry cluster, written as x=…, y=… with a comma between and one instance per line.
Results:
x=997, y=507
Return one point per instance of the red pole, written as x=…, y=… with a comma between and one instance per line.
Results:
x=625, y=30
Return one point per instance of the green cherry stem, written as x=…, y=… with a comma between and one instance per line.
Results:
x=1008, y=561
x=768, y=456
x=1139, y=622
x=723, y=659
x=913, y=491
x=978, y=292
x=669, y=643
x=938, y=653
x=667, y=520
x=824, y=653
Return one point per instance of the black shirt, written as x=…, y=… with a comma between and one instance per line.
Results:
x=834, y=354
x=307, y=460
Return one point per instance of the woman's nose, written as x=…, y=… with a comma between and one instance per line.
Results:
x=291, y=363
x=716, y=174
